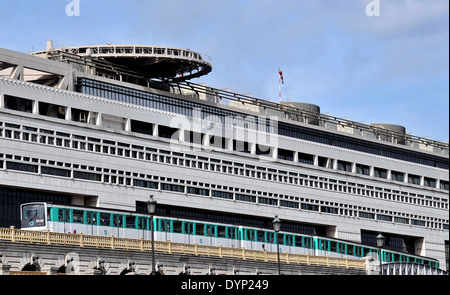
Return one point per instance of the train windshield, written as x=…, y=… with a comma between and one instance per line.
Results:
x=33, y=215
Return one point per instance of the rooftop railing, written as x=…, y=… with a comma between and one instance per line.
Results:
x=224, y=97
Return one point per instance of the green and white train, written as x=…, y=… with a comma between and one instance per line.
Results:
x=104, y=222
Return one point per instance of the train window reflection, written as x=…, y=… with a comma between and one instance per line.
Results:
x=33, y=212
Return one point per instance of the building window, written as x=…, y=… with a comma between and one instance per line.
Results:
x=222, y=195
x=444, y=185
x=367, y=215
x=344, y=166
x=430, y=182
x=384, y=217
x=306, y=158
x=401, y=220
x=417, y=222
x=246, y=198
x=141, y=127
x=18, y=103
x=288, y=204
x=362, y=169
x=397, y=176
x=198, y=191
x=310, y=207
x=413, y=179
x=285, y=155
x=380, y=172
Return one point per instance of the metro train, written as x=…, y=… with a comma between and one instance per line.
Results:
x=104, y=222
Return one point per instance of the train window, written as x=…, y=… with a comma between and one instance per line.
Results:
x=210, y=230
x=63, y=215
x=270, y=237
x=177, y=226
x=91, y=217
x=164, y=225
x=249, y=234
x=221, y=231
x=117, y=220
x=281, y=238
x=387, y=257
x=342, y=248
x=130, y=221
x=308, y=243
x=189, y=228
x=142, y=223
x=49, y=211
x=324, y=245
x=233, y=233
x=396, y=257
x=350, y=249
x=261, y=236
x=78, y=216
x=298, y=241
x=33, y=212
x=105, y=219
x=333, y=246
x=289, y=240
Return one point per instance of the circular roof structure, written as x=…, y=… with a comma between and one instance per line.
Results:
x=152, y=61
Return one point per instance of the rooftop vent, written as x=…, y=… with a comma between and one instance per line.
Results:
x=398, y=129
x=307, y=107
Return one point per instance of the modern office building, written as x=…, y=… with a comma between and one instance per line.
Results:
x=107, y=126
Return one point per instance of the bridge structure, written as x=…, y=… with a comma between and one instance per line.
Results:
x=34, y=252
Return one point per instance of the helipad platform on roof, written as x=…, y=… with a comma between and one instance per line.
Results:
x=165, y=63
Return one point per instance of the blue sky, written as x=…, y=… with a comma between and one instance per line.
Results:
x=392, y=68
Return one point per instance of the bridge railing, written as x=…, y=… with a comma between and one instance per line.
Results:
x=409, y=268
x=111, y=242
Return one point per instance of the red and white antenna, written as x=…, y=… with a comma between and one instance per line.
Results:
x=280, y=81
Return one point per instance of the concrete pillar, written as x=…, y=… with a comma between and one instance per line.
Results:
x=275, y=152
x=372, y=171
x=206, y=139
x=35, y=107
x=99, y=119
x=353, y=167
x=229, y=144
x=182, y=135
x=335, y=164
x=127, y=124
x=252, y=148
x=69, y=113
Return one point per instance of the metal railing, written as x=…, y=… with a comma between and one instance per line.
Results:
x=265, y=106
x=111, y=242
x=409, y=268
